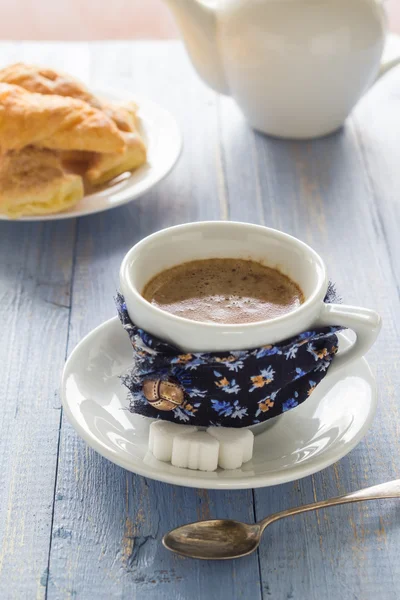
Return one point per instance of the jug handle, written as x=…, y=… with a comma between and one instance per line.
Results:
x=386, y=66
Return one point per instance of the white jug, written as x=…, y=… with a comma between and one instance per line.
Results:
x=296, y=68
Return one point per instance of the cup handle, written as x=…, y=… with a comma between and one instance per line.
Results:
x=364, y=322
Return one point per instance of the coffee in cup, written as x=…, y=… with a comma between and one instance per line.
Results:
x=224, y=290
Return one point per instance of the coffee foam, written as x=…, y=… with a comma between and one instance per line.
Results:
x=223, y=290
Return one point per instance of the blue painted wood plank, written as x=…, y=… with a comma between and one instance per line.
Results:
x=108, y=523
x=240, y=164
x=320, y=191
x=35, y=279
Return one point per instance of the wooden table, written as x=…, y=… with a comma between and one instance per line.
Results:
x=74, y=525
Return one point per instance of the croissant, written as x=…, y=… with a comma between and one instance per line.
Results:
x=32, y=182
x=124, y=114
x=103, y=167
x=47, y=81
x=54, y=122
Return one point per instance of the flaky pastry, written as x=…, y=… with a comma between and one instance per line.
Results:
x=47, y=81
x=55, y=134
x=54, y=122
x=104, y=167
x=124, y=114
x=33, y=182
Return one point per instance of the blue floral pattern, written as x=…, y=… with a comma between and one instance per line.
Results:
x=232, y=389
x=225, y=408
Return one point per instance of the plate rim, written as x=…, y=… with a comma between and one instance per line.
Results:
x=246, y=482
x=116, y=94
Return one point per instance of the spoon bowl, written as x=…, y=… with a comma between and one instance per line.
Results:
x=218, y=539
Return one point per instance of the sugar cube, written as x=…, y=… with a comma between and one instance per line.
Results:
x=161, y=437
x=195, y=451
x=235, y=446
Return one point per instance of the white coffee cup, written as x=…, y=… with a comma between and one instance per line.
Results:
x=222, y=239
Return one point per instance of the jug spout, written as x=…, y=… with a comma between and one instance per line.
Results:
x=198, y=24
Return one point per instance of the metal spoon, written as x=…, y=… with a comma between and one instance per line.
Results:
x=222, y=539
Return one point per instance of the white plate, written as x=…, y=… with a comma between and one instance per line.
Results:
x=164, y=142
x=301, y=442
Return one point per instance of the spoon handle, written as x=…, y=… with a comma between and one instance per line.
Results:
x=391, y=489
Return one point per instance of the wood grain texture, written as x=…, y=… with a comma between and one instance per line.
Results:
x=79, y=526
x=34, y=312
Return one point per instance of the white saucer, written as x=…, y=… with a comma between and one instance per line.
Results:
x=301, y=442
x=164, y=142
